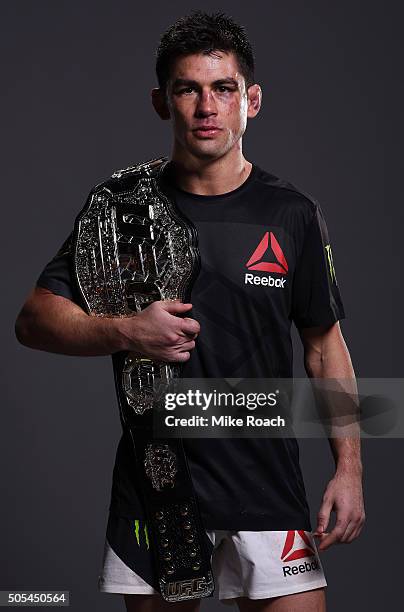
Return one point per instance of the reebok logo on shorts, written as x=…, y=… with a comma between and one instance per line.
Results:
x=290, y=555
x=291, y=552
x=256, y=263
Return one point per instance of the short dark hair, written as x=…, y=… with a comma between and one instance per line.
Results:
x=201, y=32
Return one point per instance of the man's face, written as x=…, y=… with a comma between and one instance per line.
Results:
x=208, y=103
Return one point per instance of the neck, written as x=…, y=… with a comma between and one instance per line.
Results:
x=209, y=177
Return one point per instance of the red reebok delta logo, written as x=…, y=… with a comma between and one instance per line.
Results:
x=254, y=262
x=291, y=555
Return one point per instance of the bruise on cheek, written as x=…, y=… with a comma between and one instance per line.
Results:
x=234, y=110
x=232, y=107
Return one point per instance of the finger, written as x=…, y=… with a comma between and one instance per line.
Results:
x=351, y=527
x=354, y=534
x=189, y=336
x=320, y=536
x=323, y=517
x=174, y=306
x=320, y=539
x=327, y=541
x=356, y=531
x=335, y=535
x=182, y=356
x=189, y=326
x=187, y=346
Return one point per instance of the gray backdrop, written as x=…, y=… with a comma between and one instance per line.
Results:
x=76, y=106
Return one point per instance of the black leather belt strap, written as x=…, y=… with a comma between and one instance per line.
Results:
x=176, y=529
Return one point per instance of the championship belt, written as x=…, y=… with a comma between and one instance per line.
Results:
x=131, y=247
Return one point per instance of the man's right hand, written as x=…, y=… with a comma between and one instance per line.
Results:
x=50, y=322
x=160, y=332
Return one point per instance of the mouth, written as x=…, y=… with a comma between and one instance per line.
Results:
x=206, y=131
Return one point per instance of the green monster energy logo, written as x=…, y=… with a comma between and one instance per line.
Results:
x=137, y=532
x=330, y=263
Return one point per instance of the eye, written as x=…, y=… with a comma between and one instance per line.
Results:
x=223, y=88
x=186, y=90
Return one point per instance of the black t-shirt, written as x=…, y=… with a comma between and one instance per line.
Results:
x=266, y=261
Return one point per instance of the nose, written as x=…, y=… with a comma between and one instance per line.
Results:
x=206, y=105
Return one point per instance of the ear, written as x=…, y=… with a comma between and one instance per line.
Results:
x=254, y=95
x=160, y=103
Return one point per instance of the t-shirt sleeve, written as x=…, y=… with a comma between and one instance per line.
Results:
x=316, y=298
x=57, y=275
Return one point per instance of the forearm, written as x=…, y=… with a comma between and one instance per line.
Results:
x=333, y=362
x=55, y=324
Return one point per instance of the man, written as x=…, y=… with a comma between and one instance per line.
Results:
x=265, y=262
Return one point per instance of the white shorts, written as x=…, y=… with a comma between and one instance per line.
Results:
x=254, y=564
